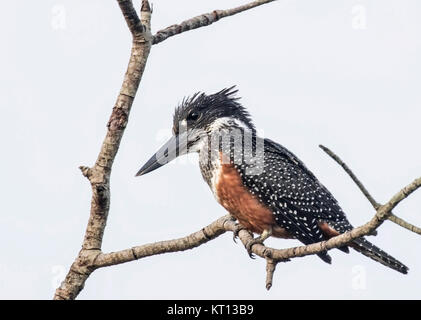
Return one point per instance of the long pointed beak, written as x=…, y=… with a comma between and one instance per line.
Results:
x=173, y=148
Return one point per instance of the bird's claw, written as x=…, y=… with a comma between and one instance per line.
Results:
x=250, y=244
x=259, y=240
x=238, y=228
x=232, y=218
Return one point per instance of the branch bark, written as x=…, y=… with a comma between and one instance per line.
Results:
x=270, y=271
x=99, y=174
x=132, y=19
x=191, y=241
x=203, y=20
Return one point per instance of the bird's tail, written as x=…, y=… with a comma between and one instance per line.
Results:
x=370, y=250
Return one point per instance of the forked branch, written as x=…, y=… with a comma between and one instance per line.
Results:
x=367, y=194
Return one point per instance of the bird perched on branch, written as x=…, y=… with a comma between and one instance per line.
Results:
x=261, y=184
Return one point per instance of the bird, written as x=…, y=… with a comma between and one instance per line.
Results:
x=263, y=185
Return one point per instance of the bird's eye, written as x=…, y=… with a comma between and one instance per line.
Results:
x=193, y=116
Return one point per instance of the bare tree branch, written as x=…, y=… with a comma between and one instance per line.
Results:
x=270, y=271
x=99, y=174
x=374, y=203
x=272, y=256
x=367, y=194
x=191, y=241
x=203, y=20
x=132, y=19
x=404, y=224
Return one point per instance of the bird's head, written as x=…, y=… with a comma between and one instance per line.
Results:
x=195, y=120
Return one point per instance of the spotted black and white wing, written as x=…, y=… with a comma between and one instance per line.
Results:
x=294, y=195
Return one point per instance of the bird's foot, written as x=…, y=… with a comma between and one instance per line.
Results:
x=238, y=228
x=259, y=240
x=250, y=244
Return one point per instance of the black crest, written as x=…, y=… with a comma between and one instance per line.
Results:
x=201, y=109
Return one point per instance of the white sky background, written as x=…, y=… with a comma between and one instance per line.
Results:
x=305, y=73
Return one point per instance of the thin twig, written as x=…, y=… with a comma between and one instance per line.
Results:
x=374, y=203
x=270, y=270
x=367, y=194
x=404, y=224
x=203, y=20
